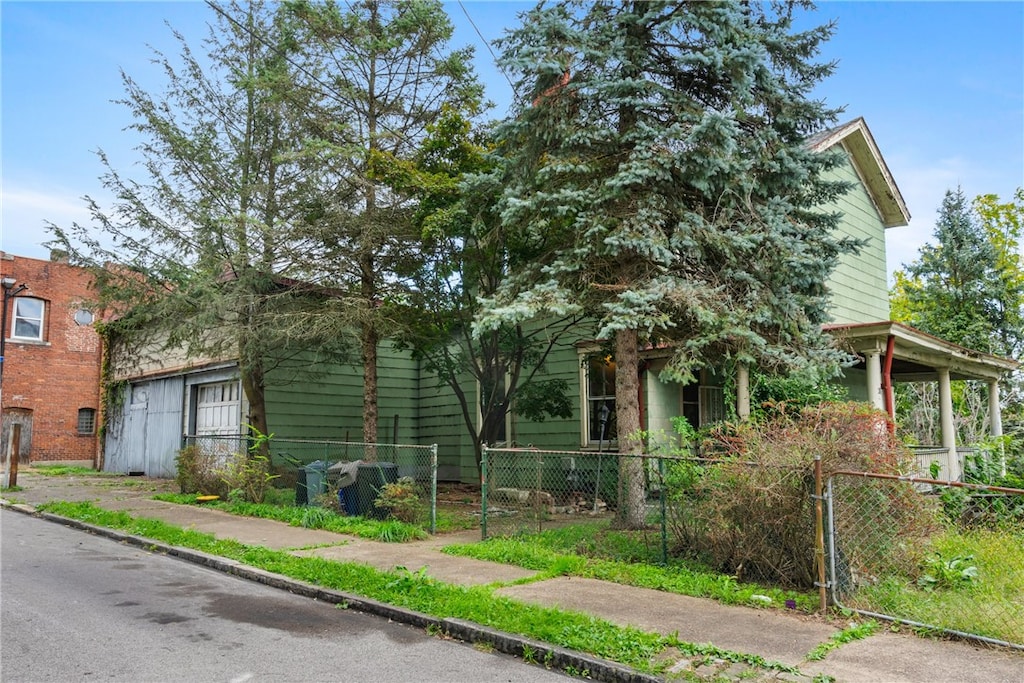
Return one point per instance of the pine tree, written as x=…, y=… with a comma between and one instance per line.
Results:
x=463, y=258
x=966, y=287
x=378, y=74
x=953, y=288
x=207, y=243
x=656, y=177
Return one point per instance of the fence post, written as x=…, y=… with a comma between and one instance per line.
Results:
x=664, y=523
x=483, y=493
x=433, y=488
x=832, y=540
x=537, y=507
x=13, y=454
x=819, y=536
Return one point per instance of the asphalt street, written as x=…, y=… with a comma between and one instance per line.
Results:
x=77, y=607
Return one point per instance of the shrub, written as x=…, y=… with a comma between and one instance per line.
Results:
x=247, y=476
x=400, y=500
x=747, y=507
x=995, y=462
x=238, y=476
x=198, y=471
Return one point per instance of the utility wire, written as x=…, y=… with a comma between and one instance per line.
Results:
x=488, y=46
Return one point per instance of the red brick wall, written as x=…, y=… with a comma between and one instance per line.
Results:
x=57, y=377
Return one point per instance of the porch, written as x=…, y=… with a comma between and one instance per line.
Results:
x=890, y=352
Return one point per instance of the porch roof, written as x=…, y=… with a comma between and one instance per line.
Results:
x=918, y=356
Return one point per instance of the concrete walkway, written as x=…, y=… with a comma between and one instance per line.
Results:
x=774, y=635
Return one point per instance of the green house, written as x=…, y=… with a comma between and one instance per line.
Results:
x=175, y=396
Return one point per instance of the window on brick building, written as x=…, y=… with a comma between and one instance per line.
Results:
x=86, y=420
x=28, y=319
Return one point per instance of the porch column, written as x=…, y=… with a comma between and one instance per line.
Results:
x=952, y=472
x=873, y=361
x=743, y=392
x=995, y=416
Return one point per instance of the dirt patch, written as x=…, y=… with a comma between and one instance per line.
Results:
x=457, y=495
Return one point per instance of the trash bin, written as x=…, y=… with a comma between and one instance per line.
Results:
x=342, y=475
x=310, y=482
x=370, y=479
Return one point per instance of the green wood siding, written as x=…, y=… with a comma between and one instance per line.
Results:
x=429, y=412
x=441, y=422
x=555, y=433
x=859, y=284
x=331, y=406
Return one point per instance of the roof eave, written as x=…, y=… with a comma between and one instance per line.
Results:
x=858, y=141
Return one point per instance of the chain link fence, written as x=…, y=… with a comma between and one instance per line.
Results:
x=942, y=556
x=526, y=491
x=349, y=476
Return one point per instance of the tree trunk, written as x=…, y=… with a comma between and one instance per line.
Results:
x=255, y=395
x=627, y=413
x=369, y=352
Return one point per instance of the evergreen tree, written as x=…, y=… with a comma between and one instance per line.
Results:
x=954, y=290
x=377, y=74
x=1003, y=223
x=206, y=245
x=966, y=287
x=656, y=177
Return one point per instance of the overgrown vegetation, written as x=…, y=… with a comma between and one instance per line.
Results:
x=401, y=501
x=969, y=581
x=993, y=463
x=551, y=552
x=413, y=590
x=747, y=510
x=236, y=476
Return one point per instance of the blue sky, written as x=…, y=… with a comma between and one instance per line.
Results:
x=940, y=84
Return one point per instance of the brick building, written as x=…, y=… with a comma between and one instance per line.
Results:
x=53, y=355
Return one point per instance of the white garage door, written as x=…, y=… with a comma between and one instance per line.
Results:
x=218, y=410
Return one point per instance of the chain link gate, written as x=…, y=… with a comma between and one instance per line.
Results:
x=940, y=556
x=527, y=490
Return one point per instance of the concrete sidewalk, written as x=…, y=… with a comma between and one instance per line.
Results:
x=771, y=634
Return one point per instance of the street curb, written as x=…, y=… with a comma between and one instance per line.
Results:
x=551, y=656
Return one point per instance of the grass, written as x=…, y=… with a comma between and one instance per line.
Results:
x=389, y=531
x=855, y=631
x=67, y=470
x=990, y=604
x=414, y=590
x=283, y=499
x=554, y=553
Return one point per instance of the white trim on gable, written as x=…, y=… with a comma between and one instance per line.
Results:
x=857, y=140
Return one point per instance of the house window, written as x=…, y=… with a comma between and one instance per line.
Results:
x=86, y=420
x=600, y=427
x=28, y=319
x=702, y=404
x=712, y=405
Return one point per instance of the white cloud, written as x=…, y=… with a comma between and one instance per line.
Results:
x=26, y=211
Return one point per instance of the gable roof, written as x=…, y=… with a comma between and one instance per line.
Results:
x=859, y=143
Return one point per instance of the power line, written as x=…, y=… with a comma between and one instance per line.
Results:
x=488, y=46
